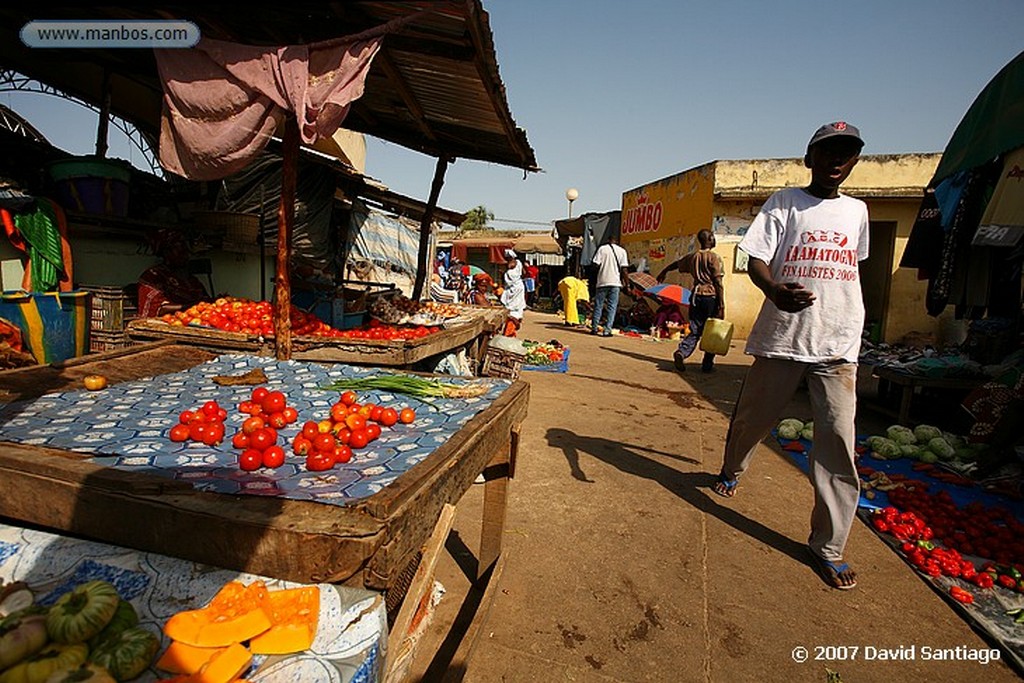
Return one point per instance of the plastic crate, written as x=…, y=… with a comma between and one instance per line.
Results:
x=111, y=308
x=503, y=364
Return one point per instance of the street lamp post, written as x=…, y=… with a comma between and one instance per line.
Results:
x=571, y=194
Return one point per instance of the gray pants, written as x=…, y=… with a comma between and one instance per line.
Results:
x=768, y=387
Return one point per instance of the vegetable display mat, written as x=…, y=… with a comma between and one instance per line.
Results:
x=351, y=630
x=797, y=450
x=987, y=613
x=126, y=426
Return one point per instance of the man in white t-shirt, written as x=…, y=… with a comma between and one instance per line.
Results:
x=804, y=247
x=611, y=261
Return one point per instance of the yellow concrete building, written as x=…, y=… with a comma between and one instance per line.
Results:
x=660, y=221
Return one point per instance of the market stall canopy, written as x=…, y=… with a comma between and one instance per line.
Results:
x=993, y=125
x=537, y=243
x=434, y=87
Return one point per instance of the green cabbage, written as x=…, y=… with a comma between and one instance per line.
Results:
x=901, y=434
x=886, y=449
x=925, y=433
x=789, y=428
x=928, y=456
x=941, y=448
x=808, y=431
x=910, y=450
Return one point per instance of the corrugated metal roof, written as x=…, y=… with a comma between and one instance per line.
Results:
x=434, y=87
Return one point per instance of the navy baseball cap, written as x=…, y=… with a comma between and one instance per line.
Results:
x=835, y=129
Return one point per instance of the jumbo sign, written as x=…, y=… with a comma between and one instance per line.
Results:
x=645, y=217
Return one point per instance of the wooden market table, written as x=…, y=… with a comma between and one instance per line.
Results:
x=909, y=382
x=473, y=331
x=369, y=543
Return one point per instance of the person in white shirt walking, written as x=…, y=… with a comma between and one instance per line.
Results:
x=611, y=261
x=804, y=247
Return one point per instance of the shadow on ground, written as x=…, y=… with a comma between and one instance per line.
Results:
x=692, y=487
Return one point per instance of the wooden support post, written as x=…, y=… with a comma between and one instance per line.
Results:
x=104, y=121
x=401, y=650
x=425, y=264
x=285, y=219
x=497, y=474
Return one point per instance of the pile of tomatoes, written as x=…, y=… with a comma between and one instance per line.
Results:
x=234, y=314
x=974, y=529
x=203, y=425
x=268, y=412
x=350, y=426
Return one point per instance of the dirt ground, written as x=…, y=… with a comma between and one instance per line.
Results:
x=620, y=564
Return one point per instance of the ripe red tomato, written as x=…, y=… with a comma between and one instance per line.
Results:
x=273, y=457
x=250, y=460
x=358, y=439
x=301, y=445
x=274, y=402
x=338, y=412
x=310, y=430
x=277, y=421
x=407, y=416
x=252, y=425
x=342, y=454
x=355, y=421
x=388, y=417
x=290, y=414
x=366, y=410
x=197, y=430
x=186, y=417
x=317, y=461
x=324, y=443
x=261, y=440
x=210, y=409
x=240, y=440
x=343, y=435
x=259, y=393
x=179, y=432
x=245, y=407
x=348, y=397
x=376, y=412
x=372, y=430
x=214, y=433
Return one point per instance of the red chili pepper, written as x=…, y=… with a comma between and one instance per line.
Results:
x=960, y=595
x=1007, y=581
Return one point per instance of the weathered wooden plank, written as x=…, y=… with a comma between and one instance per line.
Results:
x=400, y=648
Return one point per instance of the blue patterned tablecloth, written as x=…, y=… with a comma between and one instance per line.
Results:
x=351, y=639
x=126, y=427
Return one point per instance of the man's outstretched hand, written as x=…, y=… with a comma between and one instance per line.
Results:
x=792, y=297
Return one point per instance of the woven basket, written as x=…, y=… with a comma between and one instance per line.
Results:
x=500, y=363
x=235, y=227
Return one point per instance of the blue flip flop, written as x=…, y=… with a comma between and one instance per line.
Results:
x=830, y=571
x=725, y=487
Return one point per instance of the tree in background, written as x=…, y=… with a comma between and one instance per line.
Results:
x=477, y=219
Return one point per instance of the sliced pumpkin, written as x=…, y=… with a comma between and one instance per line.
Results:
x=293, y=614
x=181, y=658
x=235, y=614
x=224, y=666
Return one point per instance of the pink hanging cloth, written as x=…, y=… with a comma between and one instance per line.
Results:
x=223, y=101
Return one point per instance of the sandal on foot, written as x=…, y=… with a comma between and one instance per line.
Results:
x=832, y=573
x=725, y=487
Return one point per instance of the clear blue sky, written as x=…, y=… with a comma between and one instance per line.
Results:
x=616, y=94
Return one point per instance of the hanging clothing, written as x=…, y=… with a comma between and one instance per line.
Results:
x=41, y=233
x=223, y=101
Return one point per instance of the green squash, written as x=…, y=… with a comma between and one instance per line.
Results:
x=87, y=673
x=124, y=617
x=127, y=654
x=81, y=613
x=38, y=667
